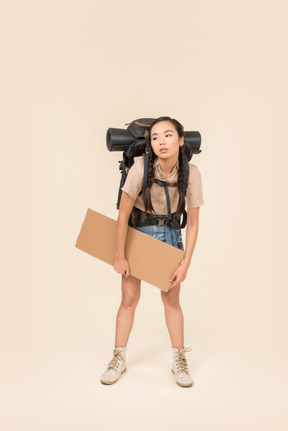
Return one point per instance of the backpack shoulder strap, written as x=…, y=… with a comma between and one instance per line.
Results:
x=124, y=171
x=186, y=172
x=146, y=166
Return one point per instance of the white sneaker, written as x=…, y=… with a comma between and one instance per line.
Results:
x=180, y=367
x=116, y=366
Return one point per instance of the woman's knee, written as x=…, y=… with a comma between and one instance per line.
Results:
x=130, y=301
x=171, y=298
x=130, y=292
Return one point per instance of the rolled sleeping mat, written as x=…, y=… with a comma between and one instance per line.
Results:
x=192, y=143
x=121, y=139
x=118, y=139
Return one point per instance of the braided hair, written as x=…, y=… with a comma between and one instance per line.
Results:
x=146, y=192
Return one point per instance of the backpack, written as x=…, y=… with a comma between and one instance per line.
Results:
x=134, y=142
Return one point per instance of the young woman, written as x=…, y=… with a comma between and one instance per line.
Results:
x=166, y=136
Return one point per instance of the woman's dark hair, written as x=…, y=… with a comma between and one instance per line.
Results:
x=146, y=192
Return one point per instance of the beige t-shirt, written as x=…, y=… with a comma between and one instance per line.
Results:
x=134, y=182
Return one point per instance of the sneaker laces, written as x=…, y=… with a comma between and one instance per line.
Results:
x=113, y=364
x=181, y=360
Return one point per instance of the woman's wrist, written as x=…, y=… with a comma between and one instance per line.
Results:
x=120, y=256
x=185, y=263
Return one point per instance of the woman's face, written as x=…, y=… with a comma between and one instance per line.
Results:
x=165, y=141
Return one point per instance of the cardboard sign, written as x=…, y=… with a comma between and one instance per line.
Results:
x=150, y=259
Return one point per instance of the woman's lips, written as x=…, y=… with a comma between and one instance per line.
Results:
x=163, y=150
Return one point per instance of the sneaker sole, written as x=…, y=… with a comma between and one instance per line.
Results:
x=114, y=381
x=188, y=385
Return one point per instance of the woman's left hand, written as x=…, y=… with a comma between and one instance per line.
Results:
x=178, y=275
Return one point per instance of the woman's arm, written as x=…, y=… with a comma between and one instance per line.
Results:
x=126, y=205
x=180, y=273
x=191, y=234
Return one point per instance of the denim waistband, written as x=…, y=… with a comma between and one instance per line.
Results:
x=164, y=233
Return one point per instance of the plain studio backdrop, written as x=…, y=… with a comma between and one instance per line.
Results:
x=70, y=70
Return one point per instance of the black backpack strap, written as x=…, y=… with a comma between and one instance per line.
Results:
x=146, y=157
x=172, y=221
x=186, y=172
x=122, y=167
x=185, y=181
x=165, y=185
x=184, y=221
x=135, y=216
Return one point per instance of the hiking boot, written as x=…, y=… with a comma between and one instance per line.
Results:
x=180, y=367
x=116, y=366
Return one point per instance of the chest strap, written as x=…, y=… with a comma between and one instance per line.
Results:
x=138, y=218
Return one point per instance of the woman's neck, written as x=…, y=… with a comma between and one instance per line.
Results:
x=167, y=165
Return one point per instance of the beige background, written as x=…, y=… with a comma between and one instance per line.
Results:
x=69, y=71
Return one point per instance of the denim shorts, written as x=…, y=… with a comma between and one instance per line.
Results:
x=164, y=233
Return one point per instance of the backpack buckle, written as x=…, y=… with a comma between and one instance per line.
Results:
x=160, y=222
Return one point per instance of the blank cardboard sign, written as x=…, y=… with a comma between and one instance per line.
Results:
x=149, y=258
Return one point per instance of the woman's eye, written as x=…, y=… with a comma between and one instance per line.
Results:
x=168, y=134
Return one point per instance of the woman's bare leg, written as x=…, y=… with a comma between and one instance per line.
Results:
x=174, y=316
x=125, y=317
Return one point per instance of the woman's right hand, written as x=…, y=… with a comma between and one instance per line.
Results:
x=121, y=266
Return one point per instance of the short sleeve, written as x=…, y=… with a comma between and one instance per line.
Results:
x=134, y=180
x=194, y=192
